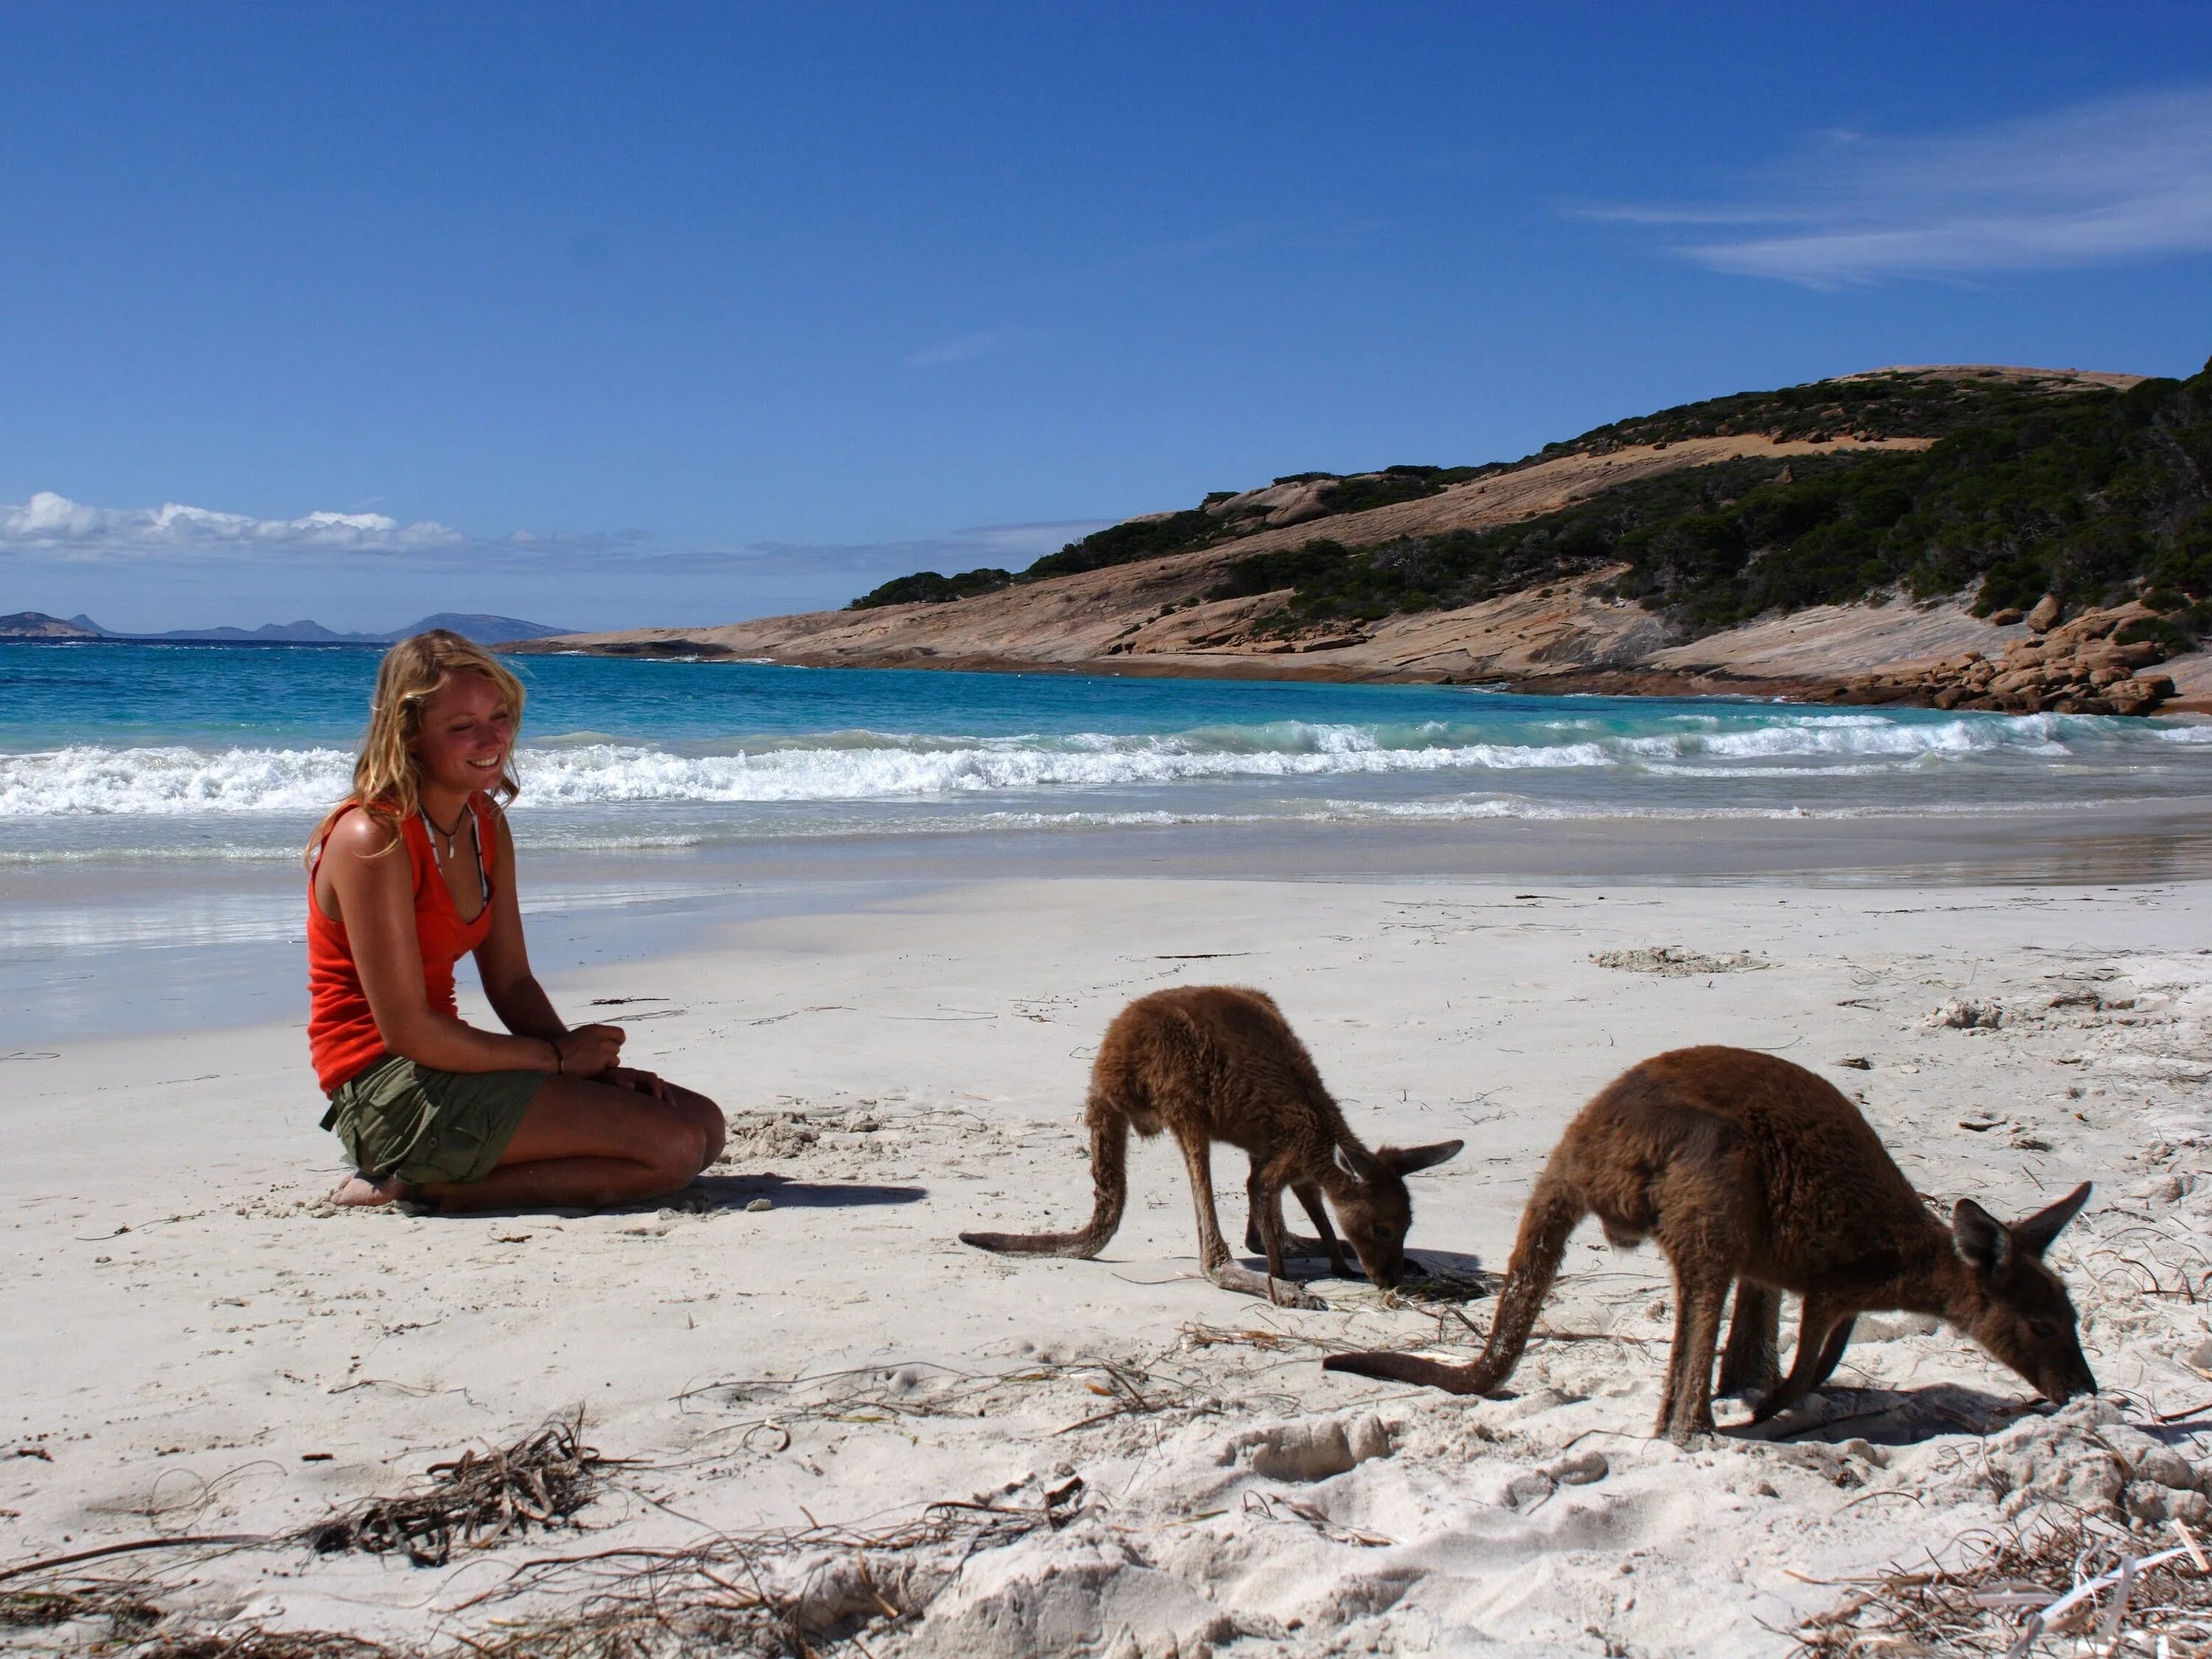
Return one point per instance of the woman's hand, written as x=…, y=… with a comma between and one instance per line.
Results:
x=643, y=1083
x=589, y=1050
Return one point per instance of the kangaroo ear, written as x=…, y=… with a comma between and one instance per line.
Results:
x=2035, y=1235
x=1407, y=1159
x=1357, y=1162
x=1979, y=1238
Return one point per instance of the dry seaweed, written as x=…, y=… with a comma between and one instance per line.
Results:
x=891, y=1394
x=254, y=1643
x=121, y=1602
x=2074, y=1578
x=774, y=1592
x=767, y=1593
x=476, y=1499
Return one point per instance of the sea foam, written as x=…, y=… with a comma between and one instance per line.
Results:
x=586, y=770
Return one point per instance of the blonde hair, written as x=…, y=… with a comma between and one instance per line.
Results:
x=387, y=777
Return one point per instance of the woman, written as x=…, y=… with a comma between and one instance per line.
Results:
x=413, y=871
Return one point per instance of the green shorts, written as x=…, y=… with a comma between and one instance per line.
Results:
x=398, y=1118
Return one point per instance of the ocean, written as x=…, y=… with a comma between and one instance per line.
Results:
x=154, y=800
x=112, y=752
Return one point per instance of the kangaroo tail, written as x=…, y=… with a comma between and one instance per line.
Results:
x=1554, y=1210
x=1110, y=1174
x=1406, y=1368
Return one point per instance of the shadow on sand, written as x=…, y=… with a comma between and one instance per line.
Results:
x=1891, y=1417
x=708, y=1193
x=1429, y=1275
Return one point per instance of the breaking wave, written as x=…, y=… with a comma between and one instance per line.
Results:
x=586, y=769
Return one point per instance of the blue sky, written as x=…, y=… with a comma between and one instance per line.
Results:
x=610, y=315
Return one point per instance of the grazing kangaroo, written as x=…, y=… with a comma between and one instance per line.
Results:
x=1217, y=1062
x=1750, y=1170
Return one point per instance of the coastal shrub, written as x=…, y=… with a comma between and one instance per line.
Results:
x=1393, y=484
x=1153, y=538
x=927, y=588
x=2084, y=492
x=1892, y=403
x=2168, y=636
x=2086, y=495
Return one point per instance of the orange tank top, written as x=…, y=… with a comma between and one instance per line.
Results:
x=341, y=1034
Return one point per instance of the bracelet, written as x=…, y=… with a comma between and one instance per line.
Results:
x=560, y=1066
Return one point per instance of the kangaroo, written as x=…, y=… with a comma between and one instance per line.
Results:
x=1218, y=1062
x=1750, y=1170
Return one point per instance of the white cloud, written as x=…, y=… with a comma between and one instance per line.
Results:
x=2124, y=178
x=51, y=523
x=54, y=527
x=53, y=532
x=56, y=540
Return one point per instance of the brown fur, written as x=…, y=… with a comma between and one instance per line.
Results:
x=1750, y=1170
x=1217, y=1062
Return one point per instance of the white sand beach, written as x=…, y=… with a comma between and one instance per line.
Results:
x=197, y=1346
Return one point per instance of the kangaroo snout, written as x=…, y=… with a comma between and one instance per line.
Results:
x=2062, y=1381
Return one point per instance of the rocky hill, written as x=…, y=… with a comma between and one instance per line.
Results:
x=38, y=625
x=1869, y=538
x=483, y=629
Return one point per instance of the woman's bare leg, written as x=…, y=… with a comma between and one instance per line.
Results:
x=582, y=1143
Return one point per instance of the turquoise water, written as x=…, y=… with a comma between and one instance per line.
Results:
x=112, y=750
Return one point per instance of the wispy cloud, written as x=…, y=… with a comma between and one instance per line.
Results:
x=1010, y=546
x=54, y=526
x=963, y=348
x=2123, y=178
x=49, y=531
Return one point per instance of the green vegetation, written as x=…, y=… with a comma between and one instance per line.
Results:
x=927, y=588
x=2089, y=495
x=1892, y=405
x=1396, y=484
x=1153, y=538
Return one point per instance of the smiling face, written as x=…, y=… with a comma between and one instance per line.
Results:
x=465, y=730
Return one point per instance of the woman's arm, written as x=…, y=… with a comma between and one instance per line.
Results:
x=515, y=995
x=503, y=960
x=370, y=880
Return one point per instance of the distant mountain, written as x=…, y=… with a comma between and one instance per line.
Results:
x=483, y=629
x=293, y=633
x=38, y=625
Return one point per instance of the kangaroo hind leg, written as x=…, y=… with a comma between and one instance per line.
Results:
x=1685, y=1406
x=1751, y=1362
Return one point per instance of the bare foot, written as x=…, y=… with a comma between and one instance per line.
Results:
x=358, y=1191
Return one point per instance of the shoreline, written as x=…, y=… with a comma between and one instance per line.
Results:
x=167, y=945
x=1807, y=690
